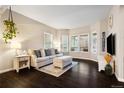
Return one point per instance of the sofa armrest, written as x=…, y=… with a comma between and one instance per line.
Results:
x=33, y=60
x=59, y=55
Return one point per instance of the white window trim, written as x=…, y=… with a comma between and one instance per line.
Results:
x=67, y=43
x=88, y=43
x=71, y=44
x=79, y=43
x=51, y=39
x=92, y=42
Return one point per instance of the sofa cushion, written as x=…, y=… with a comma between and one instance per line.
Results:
x=41, y=59
x=52, y=51
x=37, y=53
x=52, y=56
x=59, y=55
x=42, y=52
x=56, y=51
x=48, y=52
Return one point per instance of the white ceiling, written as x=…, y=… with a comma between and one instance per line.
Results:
x=64, y=16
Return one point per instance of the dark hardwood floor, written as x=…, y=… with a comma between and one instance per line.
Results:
x=84, y=75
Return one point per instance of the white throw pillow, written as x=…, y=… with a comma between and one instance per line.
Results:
x=42, y=52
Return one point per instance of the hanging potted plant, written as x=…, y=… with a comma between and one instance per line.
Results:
x=10, y=29
x=108, y=67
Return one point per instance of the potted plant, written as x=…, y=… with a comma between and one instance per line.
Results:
x=10, y=29
x=108, y=67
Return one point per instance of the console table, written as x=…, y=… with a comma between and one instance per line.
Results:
x=21, y=61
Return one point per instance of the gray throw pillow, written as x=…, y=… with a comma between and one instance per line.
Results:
x=56, y=51
x=48, y=52
x=37, y=53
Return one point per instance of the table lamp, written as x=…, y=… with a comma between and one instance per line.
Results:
x=17, y=46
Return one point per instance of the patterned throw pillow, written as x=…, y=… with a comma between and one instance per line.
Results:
x=48, y=52
x=56, y=51
x=37, y=53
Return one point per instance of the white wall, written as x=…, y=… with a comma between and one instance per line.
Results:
x=118, y=29
x=30, y=35
x=123, y=38
x=6, y=54
x=120, y=48
x=37, y=41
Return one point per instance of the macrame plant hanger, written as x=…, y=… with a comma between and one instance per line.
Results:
x=10, y=30
x=10, y=15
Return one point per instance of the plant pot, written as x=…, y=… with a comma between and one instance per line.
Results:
x=108, y=70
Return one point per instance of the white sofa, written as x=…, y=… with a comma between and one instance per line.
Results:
x=44, y=60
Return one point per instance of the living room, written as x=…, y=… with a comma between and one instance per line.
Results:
x=73, y=32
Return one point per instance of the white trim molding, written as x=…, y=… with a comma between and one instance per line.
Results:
x=87, y=59
x=118, y=78
x=6, y=70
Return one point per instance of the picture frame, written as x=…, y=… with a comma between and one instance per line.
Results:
x=110, y=21
x=103, y=41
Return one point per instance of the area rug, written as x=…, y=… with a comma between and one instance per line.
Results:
x=51, y=70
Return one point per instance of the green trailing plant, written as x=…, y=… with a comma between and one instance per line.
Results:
x=10, y=28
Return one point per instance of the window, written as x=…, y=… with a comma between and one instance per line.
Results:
x=84, y=42
x=74, y=43
x=48, y=38
x=64, y=44
x=94, y=43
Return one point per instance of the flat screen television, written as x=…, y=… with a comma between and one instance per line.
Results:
x=111, y=44
x=114, y=43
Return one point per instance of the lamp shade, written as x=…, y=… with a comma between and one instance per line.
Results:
x=15, y=45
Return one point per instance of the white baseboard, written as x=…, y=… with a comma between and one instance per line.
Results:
x=94, y=60
x=119, y=79
x=6, y=70
x=86, y=59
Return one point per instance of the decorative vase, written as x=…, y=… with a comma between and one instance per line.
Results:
x=108, y=70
